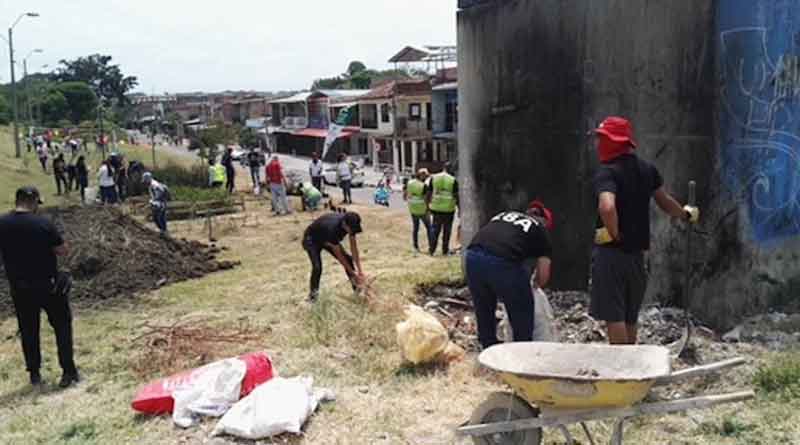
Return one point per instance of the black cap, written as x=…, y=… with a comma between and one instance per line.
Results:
x=29, y=194
x=353, y=221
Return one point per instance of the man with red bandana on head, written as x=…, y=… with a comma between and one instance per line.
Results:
x=495, y=269
x=624, y=185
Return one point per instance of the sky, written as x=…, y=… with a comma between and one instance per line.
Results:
x=203, y=45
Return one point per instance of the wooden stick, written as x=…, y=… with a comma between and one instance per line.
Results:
x=578, y=416
x=701, y=370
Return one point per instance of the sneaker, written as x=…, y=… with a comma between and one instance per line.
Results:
x=68, y=379
x=36, y=378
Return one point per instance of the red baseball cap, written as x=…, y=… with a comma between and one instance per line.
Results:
x=546, y=213
x=618, y=129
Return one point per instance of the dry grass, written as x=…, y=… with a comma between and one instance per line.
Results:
x=344, y=344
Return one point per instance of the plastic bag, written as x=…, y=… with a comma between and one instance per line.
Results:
x=156, y=397
x=211, y=394
x=544, y=328
x=276, y=407
x=421, y=336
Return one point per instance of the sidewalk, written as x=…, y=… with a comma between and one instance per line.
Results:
x=371, y=177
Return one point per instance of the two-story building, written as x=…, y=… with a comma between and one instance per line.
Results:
x=397, y=119
x=300, y=123
x=444, y=97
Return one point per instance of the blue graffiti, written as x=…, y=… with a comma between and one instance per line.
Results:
x=760, y=117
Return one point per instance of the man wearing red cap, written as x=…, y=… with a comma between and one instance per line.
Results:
x=495, y=269
x=624, y=185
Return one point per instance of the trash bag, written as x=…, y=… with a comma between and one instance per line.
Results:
x=452, y=353
x=156, y=397
x=276, y=407
x=421, y=336
x=211, y=394
x=544, y=328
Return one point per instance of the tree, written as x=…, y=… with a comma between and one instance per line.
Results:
x=329, y=83
x=96, y=70
x=355, y=67
x=247, y=138
x=5, y=111
x=81, y=100
x=53, y=106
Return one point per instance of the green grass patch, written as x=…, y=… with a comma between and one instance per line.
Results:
x=781, y=377
x=731, y=427
x=198, y=194
x=80, y=432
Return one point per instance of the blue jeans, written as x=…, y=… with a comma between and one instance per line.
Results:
x=279, y=201
x=108, y=195
x=346, y=185
x=160, y=218
x=491, y=278
x=255, y=175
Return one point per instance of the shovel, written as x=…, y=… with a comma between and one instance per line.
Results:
x=680, y=345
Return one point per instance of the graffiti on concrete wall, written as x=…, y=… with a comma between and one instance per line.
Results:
x=760, y=119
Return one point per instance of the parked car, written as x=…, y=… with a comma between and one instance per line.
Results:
x=329, y=175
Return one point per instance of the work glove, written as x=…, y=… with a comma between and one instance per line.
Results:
x=692, y=214
x=602, y=236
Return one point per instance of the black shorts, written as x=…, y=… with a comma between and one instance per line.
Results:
x=619, y=282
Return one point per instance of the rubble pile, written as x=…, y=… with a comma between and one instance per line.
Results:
x=775, y=330
x=452, y=303
x=111, y=255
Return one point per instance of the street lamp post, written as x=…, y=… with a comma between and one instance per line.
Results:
x=17, y=151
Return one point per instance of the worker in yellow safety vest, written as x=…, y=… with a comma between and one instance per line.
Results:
x=442, y=196
x=414, y=194
x=216, y=174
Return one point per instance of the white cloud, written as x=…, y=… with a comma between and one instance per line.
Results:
x=186, y=45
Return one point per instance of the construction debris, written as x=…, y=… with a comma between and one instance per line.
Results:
x=111, y=255
x=452, y=304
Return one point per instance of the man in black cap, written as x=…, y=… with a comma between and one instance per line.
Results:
x=327, y=233
x=29, y=244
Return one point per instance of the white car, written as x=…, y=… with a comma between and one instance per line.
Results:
x=329, y=176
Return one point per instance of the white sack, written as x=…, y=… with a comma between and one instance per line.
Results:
x=544, y=327
x=278, y=406
x=216, y=389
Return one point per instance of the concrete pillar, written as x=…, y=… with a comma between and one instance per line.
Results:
x=395, y=156
x=402, y=154
x=414, y=155
x=435, y=151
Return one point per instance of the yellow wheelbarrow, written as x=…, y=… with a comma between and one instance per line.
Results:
x=557, y=384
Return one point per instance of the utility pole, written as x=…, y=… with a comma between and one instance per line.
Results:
x=17, y=151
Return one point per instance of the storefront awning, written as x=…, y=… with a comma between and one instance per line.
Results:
x=322, y=134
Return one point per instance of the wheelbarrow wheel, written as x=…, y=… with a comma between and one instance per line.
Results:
x=504, y=407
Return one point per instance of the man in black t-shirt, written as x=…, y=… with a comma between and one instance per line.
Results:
x=495, y=270
x=326, y=233
x=624, y=185
x=29, y=244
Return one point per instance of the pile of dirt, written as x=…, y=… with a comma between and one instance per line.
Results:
x=452, y=304
x=111, y=255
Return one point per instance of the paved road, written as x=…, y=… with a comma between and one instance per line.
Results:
x=361, y=195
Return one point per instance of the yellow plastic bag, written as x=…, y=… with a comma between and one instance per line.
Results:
x=421, y=336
